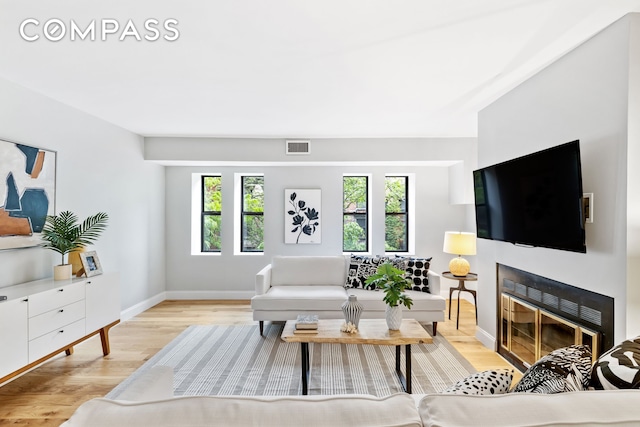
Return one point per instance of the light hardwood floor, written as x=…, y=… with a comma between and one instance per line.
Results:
x=49, y=394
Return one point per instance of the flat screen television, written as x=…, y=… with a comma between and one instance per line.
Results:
x=534, y=200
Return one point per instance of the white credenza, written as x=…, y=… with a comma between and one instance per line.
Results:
x=43, y=318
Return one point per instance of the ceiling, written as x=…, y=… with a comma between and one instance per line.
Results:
x=293, y=68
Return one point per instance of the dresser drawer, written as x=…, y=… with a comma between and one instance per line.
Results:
x=55, y=298
x=56, y=318
x=55, y=340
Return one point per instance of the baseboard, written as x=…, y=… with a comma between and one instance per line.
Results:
x=142, y=306
x=216, y=295
x=486, y=339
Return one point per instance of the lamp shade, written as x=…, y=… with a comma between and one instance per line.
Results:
x=459, y=243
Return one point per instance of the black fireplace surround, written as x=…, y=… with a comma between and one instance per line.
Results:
x=581, y=307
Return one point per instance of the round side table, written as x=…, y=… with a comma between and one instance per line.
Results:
x=471, y=277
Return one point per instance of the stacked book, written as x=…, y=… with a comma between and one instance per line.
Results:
x=306, y=324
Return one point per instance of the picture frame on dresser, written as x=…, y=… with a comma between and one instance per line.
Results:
x=90, y=263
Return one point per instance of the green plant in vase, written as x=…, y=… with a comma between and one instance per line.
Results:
x=62, y=233
x=393, y=283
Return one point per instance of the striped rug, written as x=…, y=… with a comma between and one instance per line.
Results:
x=235, y=360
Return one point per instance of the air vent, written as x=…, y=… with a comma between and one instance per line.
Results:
x=298, y=147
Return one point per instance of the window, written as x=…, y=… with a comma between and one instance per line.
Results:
x=252, y=216
x=211, y=213
x=355, y=214
x=396, y=221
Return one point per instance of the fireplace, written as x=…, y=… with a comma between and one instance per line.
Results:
x=537, y=315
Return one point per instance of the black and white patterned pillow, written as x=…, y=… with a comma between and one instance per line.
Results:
x=495, y=381
x=618, y=368
x=417, y=271
x=564, y=369
x=360, y=268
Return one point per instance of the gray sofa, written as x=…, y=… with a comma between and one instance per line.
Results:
x=293, y=285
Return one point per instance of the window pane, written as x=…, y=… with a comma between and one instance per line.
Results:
x=253, y=193
x=354, y=194
x=354, y=208
x=211, y=241
x=355, y=232
x=395, y=233
x=212, y=194
x=395, y=192
x=253, y=233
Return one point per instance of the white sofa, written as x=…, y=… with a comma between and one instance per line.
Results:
x=293, y=285
x=148, y=401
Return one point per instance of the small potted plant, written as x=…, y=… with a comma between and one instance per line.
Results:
x=62, y=233
x=393, y=282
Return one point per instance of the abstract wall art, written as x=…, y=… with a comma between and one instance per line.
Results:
x=27, y=193
x=302, y=220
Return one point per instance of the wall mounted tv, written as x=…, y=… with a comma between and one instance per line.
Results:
x=534, y=200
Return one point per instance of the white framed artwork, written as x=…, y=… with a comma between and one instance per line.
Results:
x=302, y=220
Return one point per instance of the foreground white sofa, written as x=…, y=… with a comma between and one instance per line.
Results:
x=149, y=402
x=293, y=285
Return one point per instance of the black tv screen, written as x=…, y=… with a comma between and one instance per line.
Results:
x=534, y=200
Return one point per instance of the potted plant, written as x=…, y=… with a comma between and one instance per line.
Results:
x=62, y=233
x=393, y=282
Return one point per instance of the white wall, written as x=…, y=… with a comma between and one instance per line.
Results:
x=229, y=276
x=100, y=167
x=581, y=96
x=633, y=182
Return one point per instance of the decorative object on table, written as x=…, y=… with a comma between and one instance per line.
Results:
x=90, y=264
x=349, y=328
x=307, y=321
x=352, y=309
x=393, y=282
x=470, y=277
x=27, y=191
x=459, y=243
x=62, y=233
x=302, y=222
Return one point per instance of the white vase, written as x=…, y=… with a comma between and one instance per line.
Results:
x=352, y=310
x=62, y=272
x=394, y=317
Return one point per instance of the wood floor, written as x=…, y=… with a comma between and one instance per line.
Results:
x=49, y=394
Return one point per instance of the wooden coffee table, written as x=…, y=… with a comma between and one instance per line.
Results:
x=370, y=331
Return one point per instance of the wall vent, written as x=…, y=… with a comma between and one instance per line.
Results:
x=298, y=147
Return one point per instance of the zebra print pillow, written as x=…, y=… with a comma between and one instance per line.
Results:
x=496, y=381
x=564, y=369
x=619, y=367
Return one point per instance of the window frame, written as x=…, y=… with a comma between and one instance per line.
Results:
x=244, y=213
x=405, y=213
x=204, y=213
x=368, y=231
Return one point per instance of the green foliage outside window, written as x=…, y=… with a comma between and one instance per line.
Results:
x=211, y=213
x=355, y=218
x=253, y=213
x=395, y=214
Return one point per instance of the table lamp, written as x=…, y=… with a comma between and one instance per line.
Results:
x=459, y=243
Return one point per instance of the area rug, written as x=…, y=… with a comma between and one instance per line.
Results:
x=236, y=360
